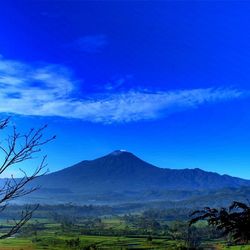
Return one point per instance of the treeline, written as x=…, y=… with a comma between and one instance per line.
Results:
x=50, y=211
x=85, y=211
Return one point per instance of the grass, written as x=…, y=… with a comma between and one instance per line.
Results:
x=16, y=244
x=238, y=247
x=102, y=242
x=52, y=237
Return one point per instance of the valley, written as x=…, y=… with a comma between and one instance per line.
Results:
x=118, y=201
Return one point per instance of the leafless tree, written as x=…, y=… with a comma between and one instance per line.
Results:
x=17, y=148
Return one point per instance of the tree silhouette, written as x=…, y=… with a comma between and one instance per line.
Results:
x=14, y=149
x=233, y=221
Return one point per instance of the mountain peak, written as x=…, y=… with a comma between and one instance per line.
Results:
x=119, y=152
x=122, y=171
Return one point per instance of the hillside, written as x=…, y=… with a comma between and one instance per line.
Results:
x=122, y=177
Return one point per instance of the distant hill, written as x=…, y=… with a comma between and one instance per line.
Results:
x=122, y=177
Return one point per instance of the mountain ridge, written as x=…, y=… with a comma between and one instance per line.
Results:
x=122, y=171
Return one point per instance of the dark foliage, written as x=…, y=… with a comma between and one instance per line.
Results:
x=233, y=221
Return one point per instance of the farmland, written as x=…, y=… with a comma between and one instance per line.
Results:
x=117, y=232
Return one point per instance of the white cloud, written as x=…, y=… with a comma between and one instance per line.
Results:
x=48, y=90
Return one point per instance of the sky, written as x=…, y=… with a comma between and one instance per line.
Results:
x=168, y=81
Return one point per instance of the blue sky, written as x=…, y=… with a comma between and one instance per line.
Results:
x=168, y=81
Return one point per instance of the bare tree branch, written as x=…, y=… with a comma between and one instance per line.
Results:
x=16, y=149
x=26, y=215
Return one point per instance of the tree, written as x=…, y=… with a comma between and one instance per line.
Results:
x=187, y=237
x=17, y=148
x=234, y=221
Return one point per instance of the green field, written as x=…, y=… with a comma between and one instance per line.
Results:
x=45, y=234
x=100, y=242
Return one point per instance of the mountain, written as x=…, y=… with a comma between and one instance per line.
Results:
x=122, y=177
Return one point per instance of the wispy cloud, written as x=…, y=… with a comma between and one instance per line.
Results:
x=117, y=83
x=48, y=90
x=91, y=43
